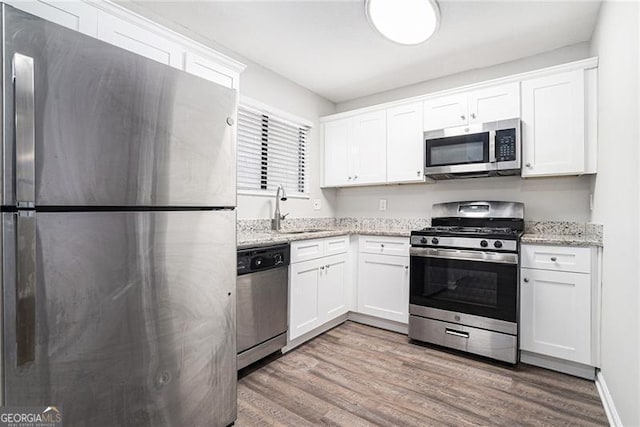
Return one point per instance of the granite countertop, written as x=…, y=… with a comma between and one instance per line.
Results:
x=257, y=239
x=563, y=233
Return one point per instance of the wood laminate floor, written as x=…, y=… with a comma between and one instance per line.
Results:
x=356, y=375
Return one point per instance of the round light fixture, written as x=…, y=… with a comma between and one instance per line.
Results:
x=407, y=22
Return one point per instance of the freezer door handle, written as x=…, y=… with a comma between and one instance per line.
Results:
x=26, y=288
x=24, y=106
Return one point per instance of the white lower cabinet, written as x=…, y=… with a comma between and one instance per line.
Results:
x=559, y=306
x=318, y=289
x=383, y=286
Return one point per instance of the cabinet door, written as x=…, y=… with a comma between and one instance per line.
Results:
x=555, y=314
x=383, y=286
x=337, y=135
x=210, y=70
x=445, y=112
x=333, y=296
x=553, y=132
x=138, y=40
x=367, y=153
x=304, y=287
x=405, y=147
x=494, y=103
x=77, y=15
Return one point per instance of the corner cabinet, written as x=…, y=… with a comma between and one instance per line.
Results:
x=559, y=306
x=118, y=26
x=318, y=283
x=383, y=277
x=554, y=124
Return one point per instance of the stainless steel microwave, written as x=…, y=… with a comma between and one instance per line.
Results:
x=479, y=150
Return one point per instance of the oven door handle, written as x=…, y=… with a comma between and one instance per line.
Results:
x=494, y=257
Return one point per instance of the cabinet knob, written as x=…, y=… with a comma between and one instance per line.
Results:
x=322, y=267
x=327, y=266
x=554, y=259
x=349, y=178
x=418, y=173
x=382, y=245
x=463, y=117
x=526, y=280
x=406, y=267
x=473, y=115
x=528, y=165
x=355, y=177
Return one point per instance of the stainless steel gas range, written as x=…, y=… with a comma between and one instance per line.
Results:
x=464, y=278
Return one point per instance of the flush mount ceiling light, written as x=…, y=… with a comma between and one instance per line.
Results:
x=407, y=22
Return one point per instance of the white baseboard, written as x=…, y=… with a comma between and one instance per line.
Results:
x=314, y=333
x=607, y=401
x=565, y=366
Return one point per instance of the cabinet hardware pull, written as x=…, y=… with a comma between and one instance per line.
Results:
x=349, y=178
x=322, y=267
x=382, y=245
x=462, y=117
x=418, y=172
x=473, y=115
x=526, y=280
x=327, y=266
x=406, y=267
x=554, y=259
x=528, y=165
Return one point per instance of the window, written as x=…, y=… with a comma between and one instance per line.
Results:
x=272, y=150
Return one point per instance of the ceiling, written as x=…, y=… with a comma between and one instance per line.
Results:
x=328, y=46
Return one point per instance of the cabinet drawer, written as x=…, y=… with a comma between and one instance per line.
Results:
x=384, y=245
x=557, y=258
x=336, y=245
x=305, y=250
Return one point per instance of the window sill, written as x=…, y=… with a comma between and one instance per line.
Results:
x=265, y=193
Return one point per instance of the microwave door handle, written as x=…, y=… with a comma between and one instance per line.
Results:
x=492, y=146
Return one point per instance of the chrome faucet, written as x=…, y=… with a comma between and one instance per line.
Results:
x=275, y=222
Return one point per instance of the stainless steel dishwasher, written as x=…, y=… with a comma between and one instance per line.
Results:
x=263, y=294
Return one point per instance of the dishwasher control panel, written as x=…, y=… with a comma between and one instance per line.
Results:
x=265, y=258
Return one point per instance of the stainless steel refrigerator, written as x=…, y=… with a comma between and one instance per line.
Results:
x=118, y=233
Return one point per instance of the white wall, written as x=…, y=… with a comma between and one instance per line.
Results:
x=562, y=199
x=616, y=202
x=545, y=198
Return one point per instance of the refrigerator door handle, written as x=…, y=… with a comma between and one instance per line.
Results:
x=26, y=288
x=24, y=107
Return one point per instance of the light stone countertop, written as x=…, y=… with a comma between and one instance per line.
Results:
x=257, y=239
x=561, y=239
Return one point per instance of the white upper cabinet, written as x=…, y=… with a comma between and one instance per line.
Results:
x=367, y=151
x=494, y=103
x=446, y=111
x=138, y=40
x=337, y=136
x=553, y=125
x=76, y=15
x=478, y=106
x=113, y=24
x=210, y=70
x=405, y=147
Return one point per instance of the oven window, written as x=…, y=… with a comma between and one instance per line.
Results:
x=474, y=287
x=458, y=150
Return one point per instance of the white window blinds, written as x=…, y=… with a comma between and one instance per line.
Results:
x=271, y=151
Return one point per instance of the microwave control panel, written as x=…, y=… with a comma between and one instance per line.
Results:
x=506, y=145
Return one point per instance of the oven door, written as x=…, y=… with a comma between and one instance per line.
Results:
x=459, y=154
x=483, y=284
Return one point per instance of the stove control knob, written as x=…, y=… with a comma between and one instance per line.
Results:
x=277, y=258
x=423, y=240
x=497, y=244
x=435, y=240
x=484, y=243
x=258, y=262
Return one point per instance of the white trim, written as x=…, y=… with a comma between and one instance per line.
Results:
x=377, y=322
x=607, y=401
x=140, y=21
x=258, y=105
x=271, y=194
x=581, y=64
